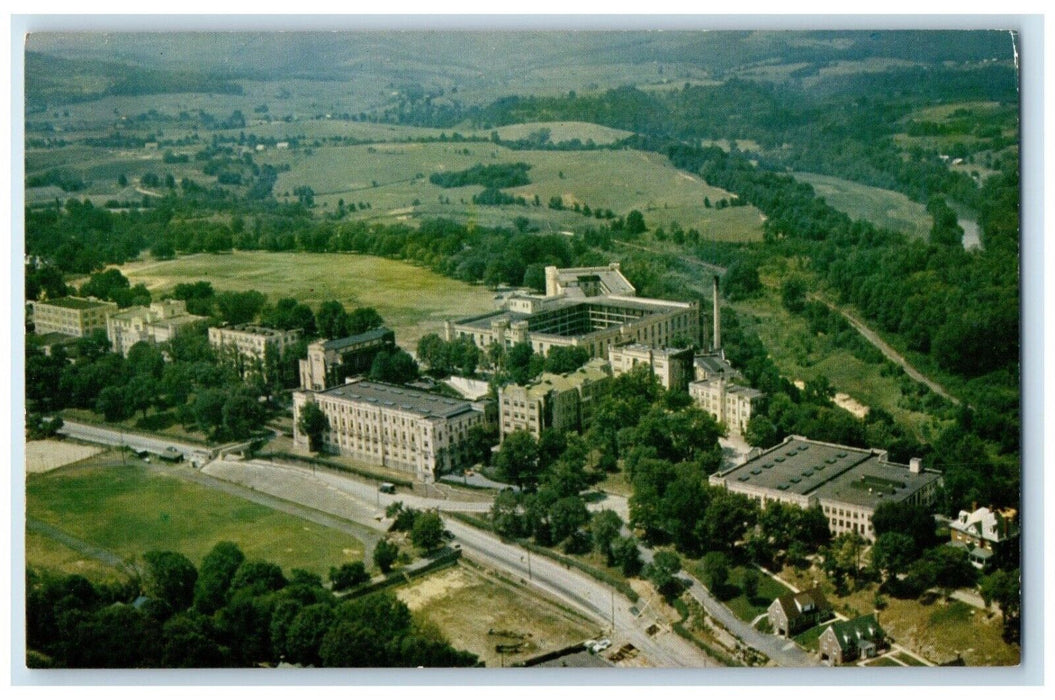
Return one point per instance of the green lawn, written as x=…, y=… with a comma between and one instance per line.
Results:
x=810, y=639
x=130, y=510
x=908, y=659
x=882, y=661
x=412, y=300
x=743, y=607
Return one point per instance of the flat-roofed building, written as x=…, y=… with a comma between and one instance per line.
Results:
x=559, y=401
x=249, y=348
x=157, y=323
x=73, y=316
x=583, y=282
x=330, y=362
x=729, y=403
x=421, y=434
x=848, y=483
x=672, y=366
x=595, y=324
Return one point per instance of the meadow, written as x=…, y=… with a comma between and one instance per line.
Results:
x=130, y=509
x=393, y=179
x=413, y=301
x=884, y=208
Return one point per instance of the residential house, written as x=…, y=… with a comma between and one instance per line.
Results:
x=792, y=613
x=850, y=640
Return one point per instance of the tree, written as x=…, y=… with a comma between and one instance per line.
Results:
x=256, y=577
x=605, y=525
x=170, y=577
x=635, y=222
x=393, y=366
x=749, y=583
x=1005, y=589
x=313, y=423
x=793, y=294
x=364, y=319
x=348, y=575
x=741, y=281
x=215, y=575
x=661, y=573
x=517, y=460
x=892, y=553
x=716, y=570
x=331, y=320
x=427, y=532
x=626, y=555
x=385, y=553
x=306, y=632
x=239, y=307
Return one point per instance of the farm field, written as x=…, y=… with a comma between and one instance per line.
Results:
x=476, y=612
x=884, y=208
x=413, y=301
x=45, y=455
x=393, y=179
x=131, y=509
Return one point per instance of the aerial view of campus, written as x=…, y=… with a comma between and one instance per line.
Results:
x=551, y=349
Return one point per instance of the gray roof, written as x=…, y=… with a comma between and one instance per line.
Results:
x=400, y=398
x=341, y=343
x=79, y=303
x=833, y=472
x=647, y=306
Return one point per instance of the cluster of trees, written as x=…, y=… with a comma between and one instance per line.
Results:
x=496, y=176
x=229, y=612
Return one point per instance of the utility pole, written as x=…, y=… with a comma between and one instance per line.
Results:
x=612, y=591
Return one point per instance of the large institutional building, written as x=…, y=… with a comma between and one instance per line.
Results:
x=421, y=434
x=72, y=316
x=848, y=483
x=716, y=391
x=247, y=347
x=330, y=362
x=558, y=401
x=591, y=308
x=672, y=366
x=157, y=323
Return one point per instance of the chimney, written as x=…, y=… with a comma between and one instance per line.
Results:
x=915, y=465
x=717, y=318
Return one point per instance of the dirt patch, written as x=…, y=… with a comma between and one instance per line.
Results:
x=436, y=586
x=847, y=402
x=46, y=455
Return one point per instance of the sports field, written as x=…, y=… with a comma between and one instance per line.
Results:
x=129, y=510
x=412, y=300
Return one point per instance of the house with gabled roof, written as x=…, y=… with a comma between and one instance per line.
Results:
x=790, y=614
x=849, y=640
x=984, y=533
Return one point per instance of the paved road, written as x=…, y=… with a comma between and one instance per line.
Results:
x=110, y=436
x=350, y=498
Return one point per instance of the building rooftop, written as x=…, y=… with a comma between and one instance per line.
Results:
x=715, y=365
x=365, y=337
x=256, y=330
x=608, y=278
x=833, y=472
x=987, y=524
x=849, y=633
x=393, y=397
x=644, y=306
x=75, y=303
x=729, y=387
x=797, y=604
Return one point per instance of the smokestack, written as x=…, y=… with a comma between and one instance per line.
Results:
x=717, y=318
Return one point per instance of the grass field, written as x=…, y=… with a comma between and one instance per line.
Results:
x=884, y=208
x=747, y=609
x=42, y=552
x=476, y=612
x=130, y=510
x=413, y=301
x=393, y=178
